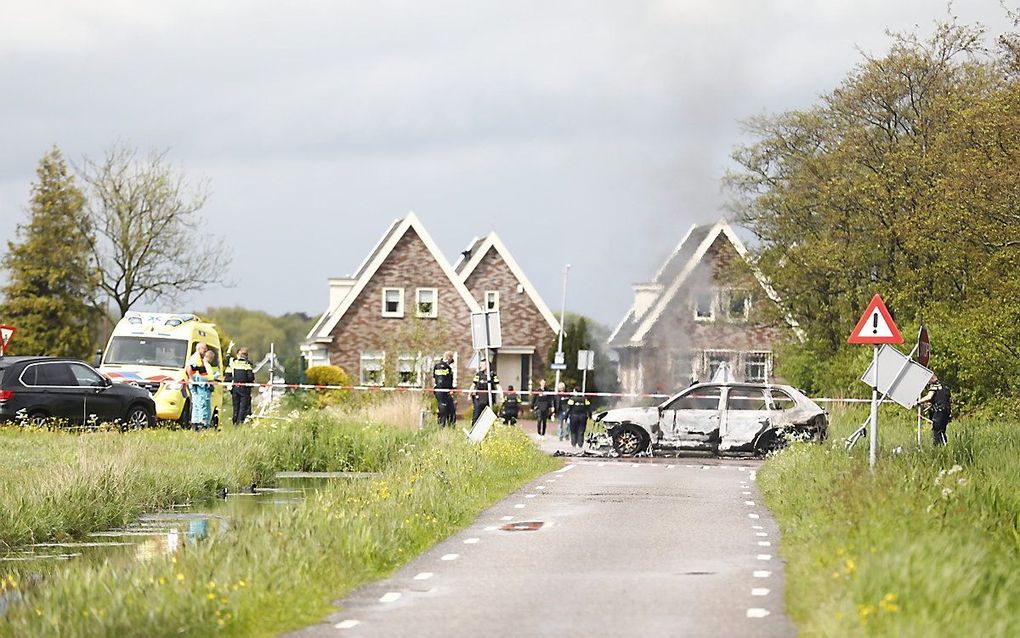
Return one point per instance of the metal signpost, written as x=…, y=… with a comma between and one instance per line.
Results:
x=486, y=334
x=559, y=362
x=6, y=332
x=876, y=327
x=585, y=362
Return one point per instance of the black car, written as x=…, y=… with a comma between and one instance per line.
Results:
x=38, y=388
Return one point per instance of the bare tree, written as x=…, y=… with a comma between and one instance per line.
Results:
x=148, y=242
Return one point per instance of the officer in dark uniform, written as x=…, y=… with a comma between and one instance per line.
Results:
x=442, y=382
x=541, y=405
x=482, y=387
x=511, y=406
x=939, y=409
x=240, y=371
x=578, y=413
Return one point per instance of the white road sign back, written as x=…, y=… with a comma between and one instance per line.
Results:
x=898, y=376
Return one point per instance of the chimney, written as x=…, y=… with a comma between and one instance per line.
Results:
x=338, y=289
x=644, y=296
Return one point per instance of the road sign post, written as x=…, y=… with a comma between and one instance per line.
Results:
x=876, y=327
x=6, y=332
x=585, y=362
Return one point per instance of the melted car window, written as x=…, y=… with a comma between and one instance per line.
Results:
x=746, y=399
x=700, y=399
x=782, y=400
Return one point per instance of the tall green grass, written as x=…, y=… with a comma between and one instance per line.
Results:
x=57, y=485
x=280, y=569
x=927, y=546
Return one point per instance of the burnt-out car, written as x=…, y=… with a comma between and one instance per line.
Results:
x=722, y=418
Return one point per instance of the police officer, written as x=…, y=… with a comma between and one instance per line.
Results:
x=511, y=406
x=939, y=409
x=240, y=371
x=483, y=386
x=442, y=382
x=578, y=412
x=541, y=405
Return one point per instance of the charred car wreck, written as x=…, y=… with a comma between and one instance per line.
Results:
x=722, y=418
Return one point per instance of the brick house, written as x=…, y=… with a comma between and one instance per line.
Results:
x=405, y=306
x=497, y=282
x=707, y=305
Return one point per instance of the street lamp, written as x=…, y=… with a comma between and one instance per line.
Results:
x=559, y=348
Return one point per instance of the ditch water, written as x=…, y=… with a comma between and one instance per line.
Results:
x=164, y=533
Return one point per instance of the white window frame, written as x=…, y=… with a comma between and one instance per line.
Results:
x=731, y=357
x=713, y=302
x=746, y=314
x=494, y=294
x=767, y=363
x=418, y=302
x=373, y=355
x=400, y=304
x=414, y=362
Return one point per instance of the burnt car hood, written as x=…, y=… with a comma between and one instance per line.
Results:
x=646, y=417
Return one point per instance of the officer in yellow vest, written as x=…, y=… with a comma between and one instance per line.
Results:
x=240, y=371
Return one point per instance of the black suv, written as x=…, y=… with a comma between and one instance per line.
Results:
x=38, y=388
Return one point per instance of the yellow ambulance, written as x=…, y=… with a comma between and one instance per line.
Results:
x=151, y=350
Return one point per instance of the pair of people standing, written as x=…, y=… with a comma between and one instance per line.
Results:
x=202, y=372
x=484, y=388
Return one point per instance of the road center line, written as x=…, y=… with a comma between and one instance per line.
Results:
x=764, y=556
x=470, y=541
x=519, y=506
x=749, y=503
x=764, y=544
x=529, y=496
x=450, y=557
x=347, y=624
x=760, y=591
x=761, y=533
x=753, y=516
x=757, y=527
x=757, y=613
x=390, y=597
x=762, y=573
x=423, y=576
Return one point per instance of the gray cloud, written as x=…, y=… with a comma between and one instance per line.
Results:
x=585, y=132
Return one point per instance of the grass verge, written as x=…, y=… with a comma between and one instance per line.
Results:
x=280, y=569
x=927, y=546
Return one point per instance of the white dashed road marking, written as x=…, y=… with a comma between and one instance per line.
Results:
x=746, y=493
x=347, y=624
x=423, y=576
x=450, y=557
x=764, y=544
x=490, y=528
x=761, y=534
x=749, y=503
x=529, y=496
x=764, y=556
x=757, y=613
x=760, y=591
x=757, y=527
x=507, y=518
x=390, y=597
x=470, y=541
x=762, y=573
x=519, y=506
x=753, y=516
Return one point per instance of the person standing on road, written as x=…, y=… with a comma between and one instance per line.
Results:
x=240, y=373
x=560, y=407
x=442, y=384
x=541, y=404
x=578, y=413
x=484, y=388
x=939, y=409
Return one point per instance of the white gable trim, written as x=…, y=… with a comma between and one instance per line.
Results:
x=663, y=302
x=492, y=240
x=620, y=325
x=673, y=254
x=381, y=253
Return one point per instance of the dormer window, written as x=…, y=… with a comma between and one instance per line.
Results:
x=393, y=302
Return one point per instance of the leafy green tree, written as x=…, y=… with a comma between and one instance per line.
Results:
x=581, y=333
x=257, y=330
x=901, y=181
x=51, y=291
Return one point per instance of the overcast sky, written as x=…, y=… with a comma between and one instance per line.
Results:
x=590, y=132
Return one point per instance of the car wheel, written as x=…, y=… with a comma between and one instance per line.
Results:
x=629, y=440
x=37, y=418
x=768, y=442
x=138, y=416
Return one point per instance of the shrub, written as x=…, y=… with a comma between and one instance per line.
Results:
x=328, y=375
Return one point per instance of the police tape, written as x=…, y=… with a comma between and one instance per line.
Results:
x=421, y=390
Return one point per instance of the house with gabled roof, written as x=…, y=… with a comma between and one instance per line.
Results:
x=497, y=282
x=707, y=306
x=405, y=305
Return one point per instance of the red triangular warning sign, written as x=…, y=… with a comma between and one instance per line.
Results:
x=876, y=325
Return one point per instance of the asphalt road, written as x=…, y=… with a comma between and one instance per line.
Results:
x=679, y=547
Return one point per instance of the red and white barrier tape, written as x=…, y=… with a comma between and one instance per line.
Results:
x=412, y=389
